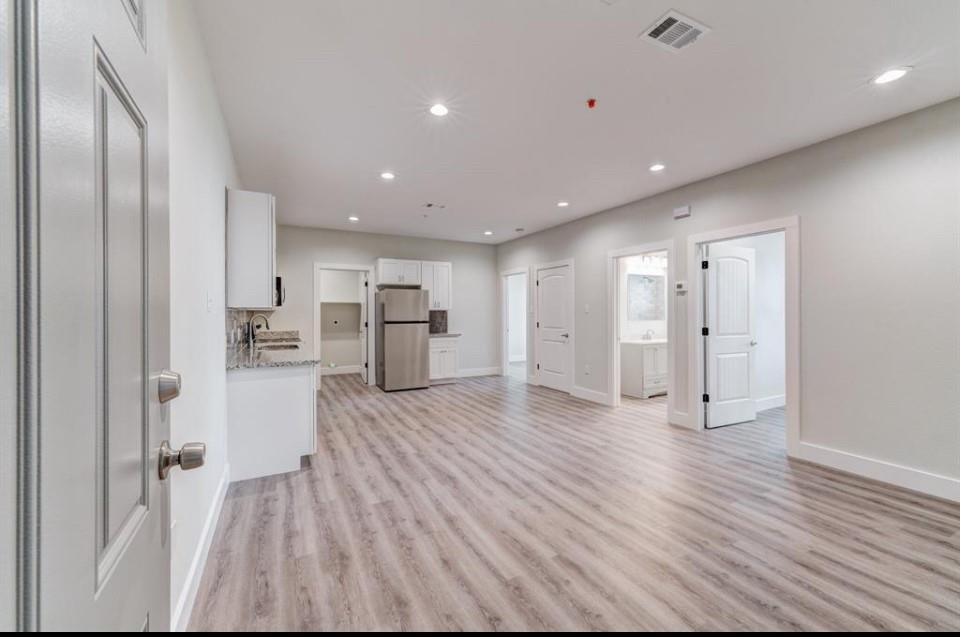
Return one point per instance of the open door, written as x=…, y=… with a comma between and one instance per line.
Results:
x=364, y=327
x=96, y=543
x=730, y=335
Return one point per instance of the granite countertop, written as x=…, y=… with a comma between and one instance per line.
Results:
x=243, y=358
x=446, y=335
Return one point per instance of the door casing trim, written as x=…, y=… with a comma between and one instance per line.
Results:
x=613, y=320
x=371, y=306
x=790, y=226
x=572, y=286
x=505, y=319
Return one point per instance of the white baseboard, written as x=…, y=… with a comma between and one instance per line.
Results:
x=771, y=402
x=938, y=486
x=593, y=396
x=343, y=369
x=480, y=371
x=180, y=618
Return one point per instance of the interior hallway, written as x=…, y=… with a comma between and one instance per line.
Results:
x=489, y=505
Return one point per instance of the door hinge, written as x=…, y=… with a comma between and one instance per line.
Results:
x=538, y=283
x=366, y=284
x=706, y=398
x=704, y=265
x=366, y=365
x=538, y=324
x=538, y=366
x=366, y=324
x=705, y=331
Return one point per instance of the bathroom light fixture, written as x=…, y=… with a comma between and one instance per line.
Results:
x=892, y=75
x=657, y=168
x=387, y=176
x=563, y=204
x=353, y=219
x=439, y=110
x=488, y=233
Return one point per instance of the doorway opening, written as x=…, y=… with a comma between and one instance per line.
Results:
x=744, y=330
x=515, y=355
x=342, y=338
x=641, y=316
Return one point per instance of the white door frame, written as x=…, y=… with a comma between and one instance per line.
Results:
x=534, y=378
x=505, y=320
x=371, y=332
x=613, y=315
x=790, y=226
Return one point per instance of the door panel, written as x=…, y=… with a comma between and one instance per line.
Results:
x=730, y=314
x=105, y=326
x=406, y=351
x=554, y=303
x=364, y=327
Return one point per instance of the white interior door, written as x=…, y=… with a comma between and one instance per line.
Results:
x=364, y=327
x=554, y=328
x=729, y=346
x=104, y=290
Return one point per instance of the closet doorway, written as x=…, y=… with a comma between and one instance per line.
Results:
x=342, y=338
x=515, y=294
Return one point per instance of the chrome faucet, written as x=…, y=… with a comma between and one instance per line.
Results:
x=252, y=332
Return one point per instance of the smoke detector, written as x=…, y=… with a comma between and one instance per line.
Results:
x=675, y=31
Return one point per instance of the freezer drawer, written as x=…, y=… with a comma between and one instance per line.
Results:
x=406, y=356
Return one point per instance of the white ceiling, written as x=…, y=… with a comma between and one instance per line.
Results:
x=321, y=96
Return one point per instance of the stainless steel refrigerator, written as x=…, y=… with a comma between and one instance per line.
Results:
x=403, y=339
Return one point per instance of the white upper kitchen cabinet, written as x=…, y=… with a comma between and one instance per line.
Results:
x=398, y=272
x=251, y=249
x=437, y=277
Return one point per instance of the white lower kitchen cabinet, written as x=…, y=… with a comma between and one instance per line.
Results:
x=444, y=360
x=271, y=419
x=643, y=368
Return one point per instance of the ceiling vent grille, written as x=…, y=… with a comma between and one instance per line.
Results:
x=675, y=31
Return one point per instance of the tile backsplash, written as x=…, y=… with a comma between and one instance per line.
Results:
x=438, y=321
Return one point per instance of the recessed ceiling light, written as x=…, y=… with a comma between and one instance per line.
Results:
x=488, y=233
x=439, y=110
x=563, y=204
x=892, y=75
x=657, y=168
x=353, y=219
x=387, y=176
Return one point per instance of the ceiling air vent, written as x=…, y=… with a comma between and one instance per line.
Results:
x=675, y=31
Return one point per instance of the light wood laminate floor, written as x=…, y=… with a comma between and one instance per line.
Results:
x=492, y=505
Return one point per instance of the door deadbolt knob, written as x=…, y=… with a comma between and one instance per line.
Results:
x=168, y=386
x=191, y=456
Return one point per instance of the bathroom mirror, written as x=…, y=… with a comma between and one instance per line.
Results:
x=647, y=297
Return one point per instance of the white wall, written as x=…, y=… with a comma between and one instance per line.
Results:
x=201, y=167
x=770, y=354
x=8, y=337
x=517, y=317
x=475, y=279
x=880, y=349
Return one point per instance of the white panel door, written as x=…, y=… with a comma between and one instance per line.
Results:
x=554, y=311
x=104, y=552
x=731, y=321
x=364, y=326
